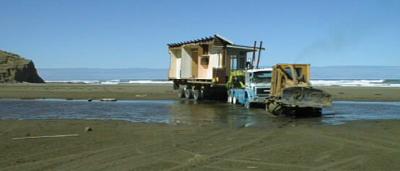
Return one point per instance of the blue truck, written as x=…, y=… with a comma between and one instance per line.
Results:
x=249, y=87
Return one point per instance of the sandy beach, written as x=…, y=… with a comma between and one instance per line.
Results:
x=117, y=145
x=364, y=93
x=120, y=145
x=163, y=91
x=87, y=91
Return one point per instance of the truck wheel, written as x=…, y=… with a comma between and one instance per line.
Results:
x=181, y=93
x=234, y=100
x=229, y=97
x=196, y=94
x=188, y=93
x=247, y=105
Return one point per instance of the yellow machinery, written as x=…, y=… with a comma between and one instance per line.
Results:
x=236, y=79
x=292, y=93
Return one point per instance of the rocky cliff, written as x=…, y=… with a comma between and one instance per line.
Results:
x=14, y=68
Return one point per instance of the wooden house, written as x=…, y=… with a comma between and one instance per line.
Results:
x=207, y=60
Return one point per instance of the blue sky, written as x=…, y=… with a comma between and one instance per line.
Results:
x=131, y=34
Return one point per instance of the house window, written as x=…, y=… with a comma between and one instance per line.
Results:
x=205, y=49
x=234, y=62
x=204, y=60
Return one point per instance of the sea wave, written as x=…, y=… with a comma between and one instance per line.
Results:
x=110, y=82
x=150, y=82
x=355, y=83
x=74, y=81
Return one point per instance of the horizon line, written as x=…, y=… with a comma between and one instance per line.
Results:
x=168, y=68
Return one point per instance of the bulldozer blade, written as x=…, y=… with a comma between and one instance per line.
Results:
x=305, y=97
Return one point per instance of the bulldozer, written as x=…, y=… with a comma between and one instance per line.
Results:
x=292, y=94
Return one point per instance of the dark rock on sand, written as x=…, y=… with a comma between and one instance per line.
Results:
x=14, y=69
x=88, y=129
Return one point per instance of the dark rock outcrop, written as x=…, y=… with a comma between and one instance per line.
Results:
x=14, y=69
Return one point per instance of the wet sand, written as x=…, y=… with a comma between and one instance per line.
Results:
x=87, y=91
x=118, y=145
x=162, y=91
x=364, y=93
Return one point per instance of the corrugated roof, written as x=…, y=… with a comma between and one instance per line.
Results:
x=243, y=47
x=229, y=43
x=201, y=40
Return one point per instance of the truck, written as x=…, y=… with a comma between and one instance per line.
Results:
x=216, y=68
x=249, y=87
x=200, y=68
x=292, y=93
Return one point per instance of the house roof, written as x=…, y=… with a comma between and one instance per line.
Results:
x=201, y=40
x=243, y=47
x=229, y=43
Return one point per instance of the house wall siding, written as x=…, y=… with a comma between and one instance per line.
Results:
x=215, y=58
x=175, y=64
x=186, y=63
x=172, y=66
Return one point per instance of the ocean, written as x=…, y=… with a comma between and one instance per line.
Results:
x=363, y=76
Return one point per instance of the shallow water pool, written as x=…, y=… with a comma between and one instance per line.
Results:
x=187, y=112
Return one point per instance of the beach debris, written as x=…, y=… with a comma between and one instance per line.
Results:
x=88, y=129
x=108, y=99
x=140, y=95
x=46, y=136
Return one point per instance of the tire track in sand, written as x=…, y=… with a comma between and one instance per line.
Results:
x=354, y=159
x=198, y=160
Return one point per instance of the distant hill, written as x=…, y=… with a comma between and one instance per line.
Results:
x=14, y=69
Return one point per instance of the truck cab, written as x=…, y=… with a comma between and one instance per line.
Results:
x=250, y=86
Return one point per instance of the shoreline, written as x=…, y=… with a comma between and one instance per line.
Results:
x=162, y=92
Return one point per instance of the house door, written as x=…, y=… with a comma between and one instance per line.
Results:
x=195, y=56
